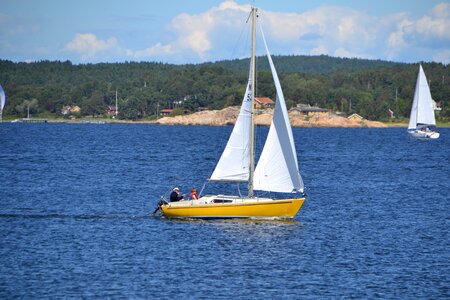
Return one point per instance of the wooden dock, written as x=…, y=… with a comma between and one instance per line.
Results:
x=34, y=120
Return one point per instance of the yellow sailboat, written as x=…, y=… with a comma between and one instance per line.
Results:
x=276, y=170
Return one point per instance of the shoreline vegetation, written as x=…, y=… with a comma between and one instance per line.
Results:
x=227, y=116
x=375, y=90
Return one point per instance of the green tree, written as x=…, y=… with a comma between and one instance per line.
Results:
x=132, y=109
x=94, y=105
x=26, y=106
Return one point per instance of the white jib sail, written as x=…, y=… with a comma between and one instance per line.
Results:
x=235, y=160
x=2, y=98
x=277, y=168
x=422, y=111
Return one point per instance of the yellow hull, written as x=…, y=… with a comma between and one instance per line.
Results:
x=284, y=209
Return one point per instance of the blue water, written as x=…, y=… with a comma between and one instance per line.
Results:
x=75, y=204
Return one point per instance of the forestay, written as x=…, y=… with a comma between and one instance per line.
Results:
x=277, y=168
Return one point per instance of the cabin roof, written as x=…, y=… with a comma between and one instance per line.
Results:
x=264, y=100
x=310, y=109
x=355, y=115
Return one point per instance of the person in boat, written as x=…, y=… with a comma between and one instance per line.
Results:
x=175, y=195
x=193, y=195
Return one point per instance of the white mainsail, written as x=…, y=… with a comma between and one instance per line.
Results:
x=2, y=102
x=422, y=110
x=2, y=98
x=277, y=168
x=235, y=160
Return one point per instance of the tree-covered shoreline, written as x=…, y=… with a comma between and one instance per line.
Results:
x=368, y=87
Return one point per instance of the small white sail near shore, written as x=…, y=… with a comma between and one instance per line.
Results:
x=422, y=123
x=2, y=102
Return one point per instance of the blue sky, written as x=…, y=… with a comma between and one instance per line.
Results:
x=177, y=31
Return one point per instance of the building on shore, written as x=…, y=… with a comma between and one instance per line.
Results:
x=68, y=109
x=308, y=111
x=263, y=102
x=165, y=111
x=355, y=117
x=111, y=110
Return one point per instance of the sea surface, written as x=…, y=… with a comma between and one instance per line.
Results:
x=76, y=203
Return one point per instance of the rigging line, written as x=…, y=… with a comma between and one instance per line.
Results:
x=239, y=190
x=249, y=15
x=203, y=187
x=234, y=51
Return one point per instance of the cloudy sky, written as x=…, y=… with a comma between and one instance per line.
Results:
x=181, y=31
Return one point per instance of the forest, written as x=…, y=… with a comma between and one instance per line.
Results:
x=368, y=87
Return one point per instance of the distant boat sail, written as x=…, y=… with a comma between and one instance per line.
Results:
x=276, y=171
x=2, y=102
x=422, y=123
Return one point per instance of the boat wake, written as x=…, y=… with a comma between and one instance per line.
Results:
x=69, y=216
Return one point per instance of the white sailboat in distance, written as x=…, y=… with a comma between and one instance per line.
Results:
x=422, y=123
x=2, y=102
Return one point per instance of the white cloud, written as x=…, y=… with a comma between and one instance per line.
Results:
x=346, y=32
x=88, y=45
x=396, y=39
x=347, y=27
x=194, y=31
x=231, y=5
x=442, y=56
x=395, y=42
x=342, y=52
x=436, y=25
x=154, y=50
x=441, y=10
x=197, y=35
x=422, y=37
x=319, y=50
x=218, y=33
x=335, y=30
x=198, y=41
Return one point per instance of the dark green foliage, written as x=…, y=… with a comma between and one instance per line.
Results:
x=305, y=64
x=367, y=87
x=27, y=107
x=132, y=109
x=94, y=105
x=177, y=112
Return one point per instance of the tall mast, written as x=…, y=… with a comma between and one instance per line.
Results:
x=252, y=127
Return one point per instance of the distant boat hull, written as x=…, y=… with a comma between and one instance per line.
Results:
x=207, y=208
x=424, y=134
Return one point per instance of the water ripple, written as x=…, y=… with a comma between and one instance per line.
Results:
x=76, y=222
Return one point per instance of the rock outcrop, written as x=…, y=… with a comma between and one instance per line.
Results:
x=228, y=116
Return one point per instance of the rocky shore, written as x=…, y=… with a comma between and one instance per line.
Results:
x=227, y=116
